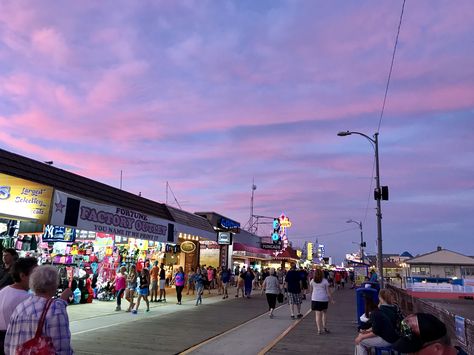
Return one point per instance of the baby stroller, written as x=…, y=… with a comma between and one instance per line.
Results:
x=106, y=292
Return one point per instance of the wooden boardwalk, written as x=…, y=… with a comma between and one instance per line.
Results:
x=303, y=339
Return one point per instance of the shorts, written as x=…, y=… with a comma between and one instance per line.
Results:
x=162, y=284
x=294, y=298
x=143, y=291
x=154, y=285
x=319, y=306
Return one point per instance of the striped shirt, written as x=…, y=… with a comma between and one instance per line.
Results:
x=24, y=321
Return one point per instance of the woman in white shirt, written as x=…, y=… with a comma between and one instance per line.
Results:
x=271, y=287
x=320, y=297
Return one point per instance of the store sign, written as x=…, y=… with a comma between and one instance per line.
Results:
x=271, y=246
x=188, y=247
x=224, y=238
x=309, y=252
x=69, y=210
x=224, y=252
x=59, y=234
x=21, y=198
x=229, y=224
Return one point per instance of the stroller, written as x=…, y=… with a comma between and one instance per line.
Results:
x=106, y=292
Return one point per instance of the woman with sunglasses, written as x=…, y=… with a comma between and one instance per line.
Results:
x=385, y=322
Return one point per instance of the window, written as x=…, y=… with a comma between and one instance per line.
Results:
x=468, y=271
x=420, y=270
x=449, y=271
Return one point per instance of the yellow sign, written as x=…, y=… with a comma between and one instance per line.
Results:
x=23, y=199
x=285, y=222
x=309, y=253
x=188, y=247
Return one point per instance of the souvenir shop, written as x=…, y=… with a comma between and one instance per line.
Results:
x=248, y=256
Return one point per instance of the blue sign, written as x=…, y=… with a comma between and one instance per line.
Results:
x=229, y=224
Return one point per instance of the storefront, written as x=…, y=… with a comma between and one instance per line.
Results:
x=226, y=231
x=253, y=257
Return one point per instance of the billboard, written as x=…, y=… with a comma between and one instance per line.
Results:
x=23, y=199
x=77, y=212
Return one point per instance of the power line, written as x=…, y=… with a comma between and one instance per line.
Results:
x=391, y=66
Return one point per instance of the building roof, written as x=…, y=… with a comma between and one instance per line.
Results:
x=190, y=219
x=442, y=257
x=29, y=169
x=406, y=254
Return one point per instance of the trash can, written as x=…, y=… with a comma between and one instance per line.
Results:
x=361, y=293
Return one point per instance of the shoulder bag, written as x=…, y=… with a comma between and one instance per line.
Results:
x=39, y=345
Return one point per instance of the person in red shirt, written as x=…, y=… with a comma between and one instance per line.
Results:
x=154, y=272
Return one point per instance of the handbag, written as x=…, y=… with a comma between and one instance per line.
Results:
x=39, y=345
x=280, y=297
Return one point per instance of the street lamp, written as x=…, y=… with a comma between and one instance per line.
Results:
x=378, y=195
x=361, y=239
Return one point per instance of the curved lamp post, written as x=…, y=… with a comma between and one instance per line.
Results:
x=375, y=143
x=361, y=239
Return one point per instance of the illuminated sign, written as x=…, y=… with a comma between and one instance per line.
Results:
x=21, y=198
x=285, y=222
x=229, y=224
x=188, y=247
x=309, y=253
x=224, y=238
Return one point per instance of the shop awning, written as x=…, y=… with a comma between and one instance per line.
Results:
x=243, y=250
x=288, y=254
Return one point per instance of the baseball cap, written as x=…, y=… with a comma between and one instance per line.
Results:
x=417, y=330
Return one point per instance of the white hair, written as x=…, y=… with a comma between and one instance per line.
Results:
x=44, y=279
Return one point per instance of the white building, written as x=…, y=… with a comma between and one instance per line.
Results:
x=441, y=263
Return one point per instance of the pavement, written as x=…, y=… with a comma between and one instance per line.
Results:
x=230, y=326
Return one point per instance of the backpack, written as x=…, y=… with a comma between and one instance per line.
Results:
x=39, y=345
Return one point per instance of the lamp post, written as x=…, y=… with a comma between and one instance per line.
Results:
x=361, y=239
x=375, y=143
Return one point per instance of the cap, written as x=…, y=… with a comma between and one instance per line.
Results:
x=417, y=330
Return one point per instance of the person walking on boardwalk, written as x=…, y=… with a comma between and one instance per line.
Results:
x=131, y=287
x=190, y=281
x=293, y=285
x=162, y=283
x=199, y=285
x=248, y=277
x=154, y=272
x=320, y=297
x=240, y=284
x=179, y=281
x=271, y=288
x=225, y=279
x=143, y=290
x=120, y=284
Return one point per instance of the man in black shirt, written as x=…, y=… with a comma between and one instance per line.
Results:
x=162, y=283
x=294, y=285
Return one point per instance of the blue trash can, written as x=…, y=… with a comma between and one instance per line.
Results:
x=361, y=293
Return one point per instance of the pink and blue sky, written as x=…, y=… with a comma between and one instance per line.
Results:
x=210, y=94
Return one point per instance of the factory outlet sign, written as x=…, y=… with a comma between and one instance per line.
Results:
x=77, y=212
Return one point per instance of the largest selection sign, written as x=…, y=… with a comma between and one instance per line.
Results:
x=69, y=210
x=21, y=198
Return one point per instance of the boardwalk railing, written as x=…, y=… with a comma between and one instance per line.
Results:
x=410, y=304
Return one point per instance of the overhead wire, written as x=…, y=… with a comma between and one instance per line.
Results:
x=391, y=66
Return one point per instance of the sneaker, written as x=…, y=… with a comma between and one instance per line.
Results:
x=159, y=300
x=326, y=330
x=148, y=310
x=292, y=316
x=320, y=332
x=118, y=308
x=271, y=316
x=134, y=311
x=300, y=315
x=164, y=300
